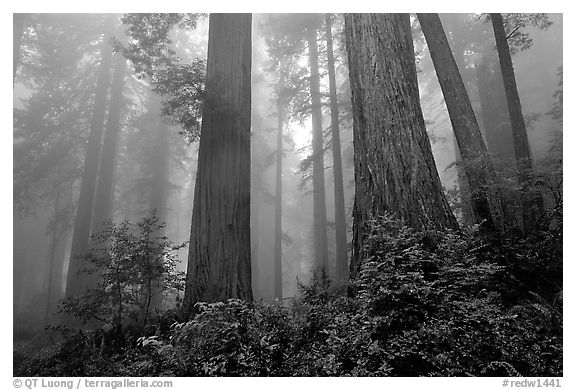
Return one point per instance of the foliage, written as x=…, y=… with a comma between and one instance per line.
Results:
x=134, y=268
x=425, y=303
x=154, y=58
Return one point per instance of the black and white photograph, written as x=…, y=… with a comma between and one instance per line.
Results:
x=287, y=195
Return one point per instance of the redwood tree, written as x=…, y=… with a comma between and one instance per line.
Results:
x=319, y=189
x=486, y=199
x=339, y=207
x=393, y=163
x=532, y=202
x=219, y=255
x=76, y=280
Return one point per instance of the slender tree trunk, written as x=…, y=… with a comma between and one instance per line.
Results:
x=532, y=202
x=486, y=199
x=339, y=207
x=81, y=236
x=17, y=30
x=104, y=190
x=278, y=209
x=159, y=190
x=219, y=255
x=464, y=189
x=319, y=191
x=53, y=260
x=394, y=167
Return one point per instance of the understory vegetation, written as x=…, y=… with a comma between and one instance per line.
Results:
x=425, y=303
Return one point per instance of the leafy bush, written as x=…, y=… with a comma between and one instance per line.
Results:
x=135, y=265
x=425, y=304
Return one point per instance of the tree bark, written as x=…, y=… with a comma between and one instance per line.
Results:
x=75, y=283
x=464, y=189
x=486, y=199
x=394, y=167
x=219, y=255
x=319, y=191
x=339, y=206
x=532, y=202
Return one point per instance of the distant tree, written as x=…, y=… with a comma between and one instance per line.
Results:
x=219, y=256
x=339, y=207
x=319, y=206
x=103, y=201
x=486, y=198
x=394, y=166
x=278, y=294
x=532, y=200
x=76, y=282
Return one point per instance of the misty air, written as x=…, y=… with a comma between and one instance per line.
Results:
x=287, y=195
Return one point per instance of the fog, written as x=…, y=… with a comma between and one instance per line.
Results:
x=58, y=70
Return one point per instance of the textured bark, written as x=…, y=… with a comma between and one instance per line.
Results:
x=81, y=236
x=319, y=188
x=339, y=207
x=486, y=199
x=104, y=195
x=278, y=209
x=17, y=31
x=219, y=256
x=532, y=201
x=393, y=163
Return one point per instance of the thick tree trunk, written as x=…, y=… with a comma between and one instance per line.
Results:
x=319, y=190
x=486, y=199
x=81, y=236
x=532, y=203
x=339, y=207
x=278, y=209
x=17, y=30
x=393, y=163
x=104, y=194
x=219, y=256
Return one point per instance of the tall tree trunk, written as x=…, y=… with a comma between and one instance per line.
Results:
x=532, y=202
x=394, y=167
x=464, y=189
x=486, y=199
x=339, y=206
x=75, y=283
x=17, y=30
x=278, y=208
x=319, y=191
x=159, y=190
x=53, y=251
x=219, y=255
x=104, y=189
